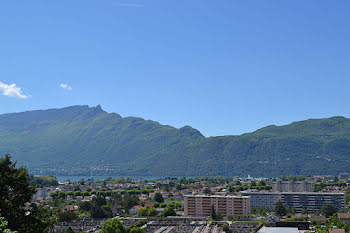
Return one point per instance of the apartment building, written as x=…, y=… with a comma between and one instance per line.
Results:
x=312, y=202
x=292, y=186
x=201, y=205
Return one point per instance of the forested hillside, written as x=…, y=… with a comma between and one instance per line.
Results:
x=82, y=139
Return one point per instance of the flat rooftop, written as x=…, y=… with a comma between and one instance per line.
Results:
x=293, y=193
x=278, y=230
x=228, y=196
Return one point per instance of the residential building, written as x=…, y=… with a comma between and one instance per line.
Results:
x=312, y=202
x=40, y=193
x=135, y=209
x=201, y=205
x=71, y=207
x=292, y=186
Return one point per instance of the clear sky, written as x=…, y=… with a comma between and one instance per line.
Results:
x=221, y=66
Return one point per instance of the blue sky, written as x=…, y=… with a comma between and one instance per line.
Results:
x=223, y=67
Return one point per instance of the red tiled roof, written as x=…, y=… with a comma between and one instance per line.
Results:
x=344, y=216
x=71, y=207
x=138, y=207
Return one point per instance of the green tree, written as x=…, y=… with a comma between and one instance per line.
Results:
x=129, y=201
x=107, y=210
x=169, y=212
x=151, y=212
x=158, y=198
x=213, y=213
x=3, y=226
x=69, y=230
x=225, y=227
x=156, y=204
x=328, y=210
x=137, y=230
x=113, y=226
x=15, y=192
x=97, y=212
x=142, y=212
x=67, y=216
x=85, y=205
x=262, y=183
x=178, y=205
x=280, y=210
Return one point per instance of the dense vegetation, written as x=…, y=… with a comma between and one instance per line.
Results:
x=82, y=140
x=15, y=193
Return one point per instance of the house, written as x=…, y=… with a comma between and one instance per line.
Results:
x=345, y=218
x=71, y=207
x=143, y=199
x=40, y=193
x=117, y=210
x=149, y=203
x=87, y=198
x=135, y=209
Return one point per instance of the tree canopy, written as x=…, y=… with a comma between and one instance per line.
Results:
x=113, y=226
x=15, y=192
x=328, y=210
x=280, y=210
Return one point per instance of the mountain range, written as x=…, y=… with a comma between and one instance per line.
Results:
x=80, y=140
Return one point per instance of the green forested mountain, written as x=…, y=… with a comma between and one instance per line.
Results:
x=80, y=139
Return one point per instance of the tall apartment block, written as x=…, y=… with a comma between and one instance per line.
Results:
x=200, y=205
x=292, y=186
x=312, y=202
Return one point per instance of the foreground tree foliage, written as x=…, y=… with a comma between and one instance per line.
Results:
x=3, y=226
x=15, y=192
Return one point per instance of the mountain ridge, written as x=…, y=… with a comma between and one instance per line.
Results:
x=81, y=139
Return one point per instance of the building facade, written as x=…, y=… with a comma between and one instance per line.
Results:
x=292, y=186
x=312, y=202
x=201, y=205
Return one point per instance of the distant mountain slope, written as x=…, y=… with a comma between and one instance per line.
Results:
x=80, y=140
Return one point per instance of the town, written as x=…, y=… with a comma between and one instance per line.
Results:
x=201, y=204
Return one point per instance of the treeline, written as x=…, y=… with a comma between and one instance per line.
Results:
x=246, y=187
x=99, y=193
x=43, y=181
x=318, y=187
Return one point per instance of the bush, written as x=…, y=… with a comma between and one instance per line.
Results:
x=137, y=230
x=67, y=216
x=169, y=212
x=113, y=226
x=225, y=227
x=156, y=204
